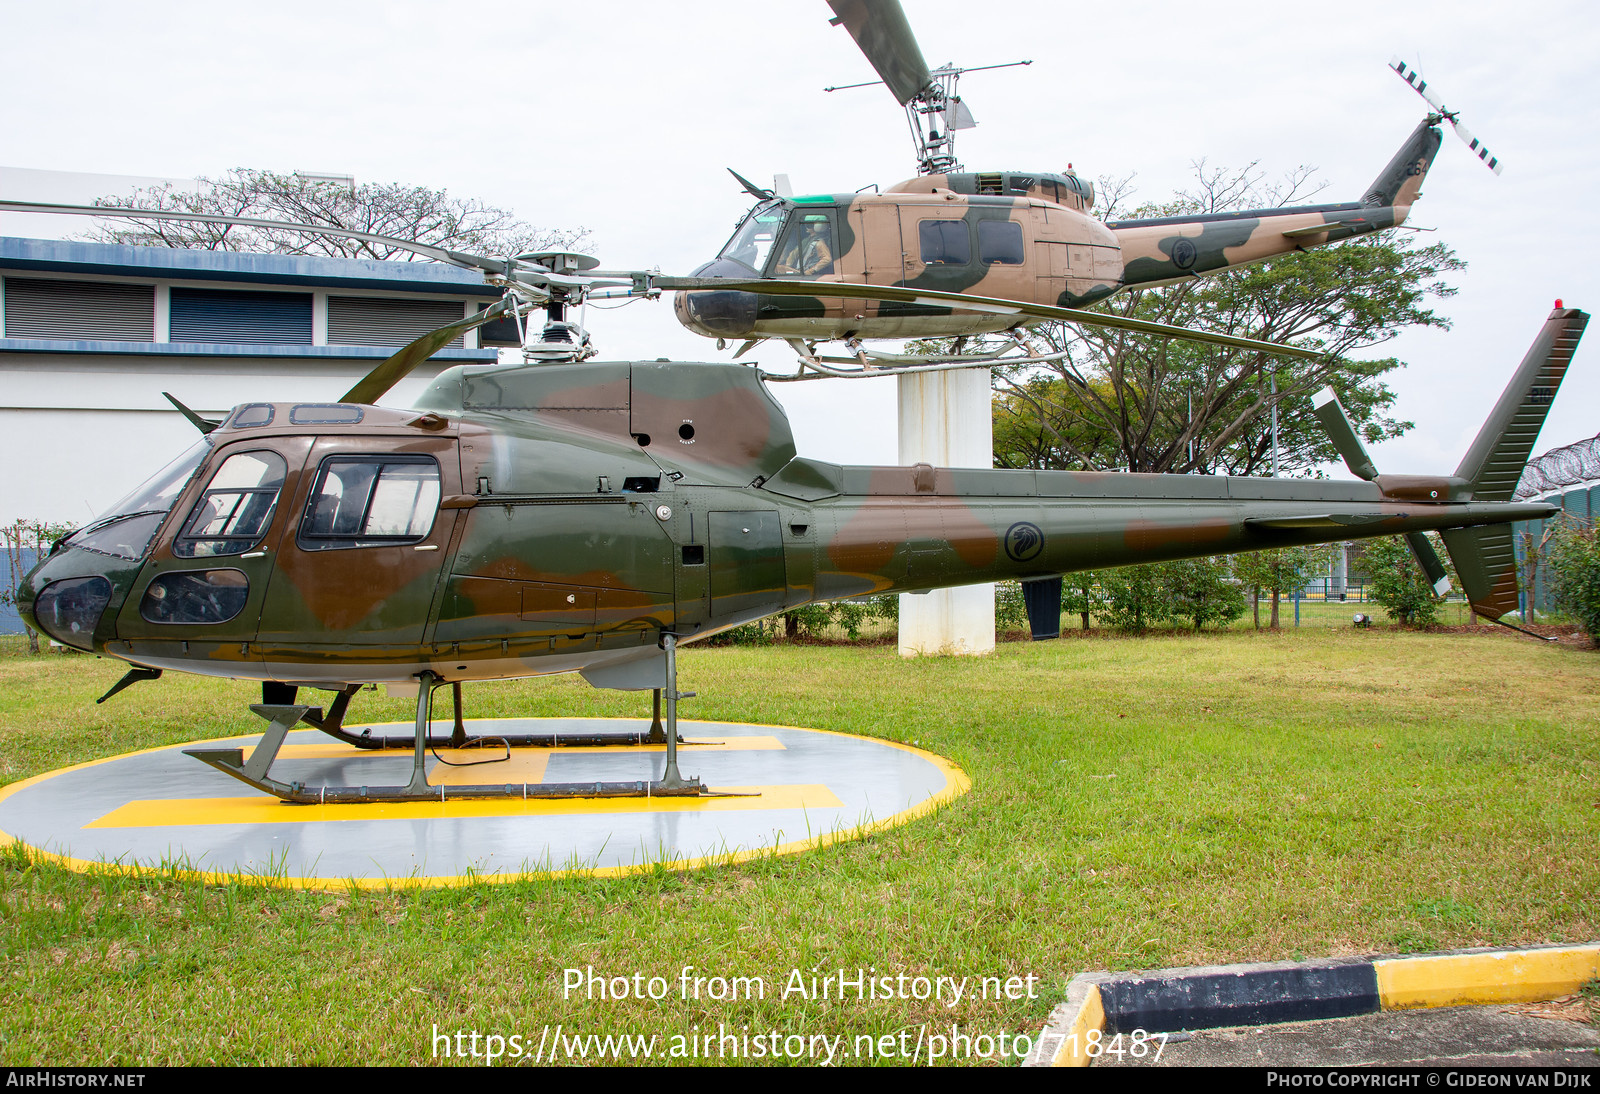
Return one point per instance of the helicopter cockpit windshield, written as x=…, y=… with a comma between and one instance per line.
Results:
x=752, y=240
x=126, y=528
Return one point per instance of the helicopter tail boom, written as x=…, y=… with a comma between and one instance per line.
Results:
x=1166, y=249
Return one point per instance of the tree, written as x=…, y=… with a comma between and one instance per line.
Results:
x=1278, y=572
x=1574, y=556
x=413, y=213
x=1079, y=594
x=23, y=543
x=1110, y=400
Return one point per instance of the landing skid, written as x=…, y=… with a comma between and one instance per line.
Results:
x=282, y=717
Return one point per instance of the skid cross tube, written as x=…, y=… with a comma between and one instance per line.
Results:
x=283, y=717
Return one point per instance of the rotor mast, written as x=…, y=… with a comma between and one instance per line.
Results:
x=929, y=97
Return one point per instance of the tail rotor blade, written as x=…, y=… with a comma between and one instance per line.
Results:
x=1325, y=404
x=1420, y=86
x=1428, y=559
x=1478, y=149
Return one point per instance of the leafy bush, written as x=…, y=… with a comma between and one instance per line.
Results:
x=1135, y=597
x=1398, y=583
x=1202, y=589
x=1574, y=556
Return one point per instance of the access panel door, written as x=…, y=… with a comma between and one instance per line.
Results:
x=746, y=564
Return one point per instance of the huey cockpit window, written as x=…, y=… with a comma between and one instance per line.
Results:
x=753, y=239
x=236, y=509
x=363, y=501
x=807, y=247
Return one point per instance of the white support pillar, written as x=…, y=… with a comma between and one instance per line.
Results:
x=946, y=421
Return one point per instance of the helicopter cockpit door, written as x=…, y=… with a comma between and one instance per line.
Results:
x=202, y=593
x=356, y=578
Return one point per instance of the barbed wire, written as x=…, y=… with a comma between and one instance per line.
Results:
x=1568, y=465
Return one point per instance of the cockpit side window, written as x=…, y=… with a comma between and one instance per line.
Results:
x=807, y=249
x=236, y=509
x=752, y=240
x=364, y=501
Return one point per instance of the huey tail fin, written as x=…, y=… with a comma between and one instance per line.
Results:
x=1485, y=555
x=1400, y=183
x=1495, y=461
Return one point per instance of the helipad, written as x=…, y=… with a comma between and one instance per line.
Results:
x=789, y=790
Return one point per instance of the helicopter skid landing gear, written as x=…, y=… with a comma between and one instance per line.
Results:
x=283, y=717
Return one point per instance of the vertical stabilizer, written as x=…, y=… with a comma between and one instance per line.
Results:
x=1485, y=556
x=1494, y=463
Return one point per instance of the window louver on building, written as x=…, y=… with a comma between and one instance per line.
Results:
x=373, y=321
x=91, y=310
x=241, y=317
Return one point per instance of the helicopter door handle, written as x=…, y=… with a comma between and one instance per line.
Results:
x=254, y=554
x=427, y=547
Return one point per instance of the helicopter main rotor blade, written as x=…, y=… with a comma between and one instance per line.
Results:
x=963, y=302
x=375, y=384
x=883, y=34
x=440, y=254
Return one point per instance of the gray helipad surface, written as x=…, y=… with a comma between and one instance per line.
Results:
x=160, y=808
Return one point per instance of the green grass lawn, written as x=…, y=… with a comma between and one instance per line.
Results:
x=1136, y=803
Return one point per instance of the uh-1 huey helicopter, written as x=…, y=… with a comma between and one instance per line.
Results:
x=1011, y=235
x=563, y=515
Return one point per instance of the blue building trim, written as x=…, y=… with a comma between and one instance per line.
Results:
x=43, y=256
x=210, y=349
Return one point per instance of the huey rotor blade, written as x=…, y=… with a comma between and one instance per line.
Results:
x=375, y=384
x=883, y=34
x=441, y=254
x=964, y=302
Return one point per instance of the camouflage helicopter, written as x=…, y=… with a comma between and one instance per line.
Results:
x=566, y=515
x=1013, y=235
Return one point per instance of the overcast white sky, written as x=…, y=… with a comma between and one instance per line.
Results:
x=620, y=116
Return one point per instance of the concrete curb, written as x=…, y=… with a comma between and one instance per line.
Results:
x=1101, y=1005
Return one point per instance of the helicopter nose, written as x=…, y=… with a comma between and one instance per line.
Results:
x=73, y=596
x=718, y=314
x=68, y=610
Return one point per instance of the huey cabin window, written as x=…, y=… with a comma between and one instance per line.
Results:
x=1000, y=242
x=945, y=242
x=370, y=501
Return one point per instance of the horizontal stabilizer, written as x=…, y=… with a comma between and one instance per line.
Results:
x=1495, y=461
x=1316, y=520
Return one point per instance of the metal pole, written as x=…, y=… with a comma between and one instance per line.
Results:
x=1275, y=455
x=419, y=776
x=671, y=779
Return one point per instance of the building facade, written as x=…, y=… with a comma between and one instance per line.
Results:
x=92, y=334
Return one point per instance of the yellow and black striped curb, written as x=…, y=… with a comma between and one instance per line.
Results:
x=1100, y=1005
